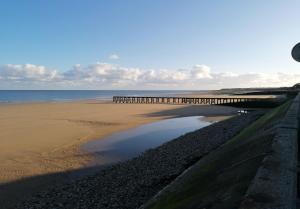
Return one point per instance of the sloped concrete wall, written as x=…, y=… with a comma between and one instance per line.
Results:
x=275, y=183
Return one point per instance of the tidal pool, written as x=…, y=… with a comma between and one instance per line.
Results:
x=130, y=143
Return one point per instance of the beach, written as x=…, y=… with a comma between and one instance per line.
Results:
x=130, y=184
x=44, y=138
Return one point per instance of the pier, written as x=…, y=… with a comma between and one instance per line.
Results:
x=184, y=100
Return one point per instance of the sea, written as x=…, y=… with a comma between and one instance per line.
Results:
x=23, y=96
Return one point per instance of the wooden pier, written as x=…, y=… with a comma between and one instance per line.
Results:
x=184, y=100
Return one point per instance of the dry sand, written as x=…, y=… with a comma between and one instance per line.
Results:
x=44, y=138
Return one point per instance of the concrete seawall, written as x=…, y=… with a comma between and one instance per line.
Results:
x=256, y=169
x=275, y=183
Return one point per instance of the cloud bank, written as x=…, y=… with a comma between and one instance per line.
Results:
x=111, y=76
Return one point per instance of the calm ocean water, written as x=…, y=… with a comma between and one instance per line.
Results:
x=12, y=96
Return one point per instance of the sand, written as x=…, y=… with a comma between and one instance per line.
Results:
x=45, y=138
x=39, y=138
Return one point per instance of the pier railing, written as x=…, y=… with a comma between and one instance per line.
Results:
x=184, y=100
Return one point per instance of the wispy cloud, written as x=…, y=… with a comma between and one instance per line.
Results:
x=114, y=57
x=107, y=76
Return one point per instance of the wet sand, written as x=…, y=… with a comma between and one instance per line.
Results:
x=45, y=138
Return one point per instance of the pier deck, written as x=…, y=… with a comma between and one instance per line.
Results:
x=184, y=100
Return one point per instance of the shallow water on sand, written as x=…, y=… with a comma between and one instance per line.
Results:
x=130, y=143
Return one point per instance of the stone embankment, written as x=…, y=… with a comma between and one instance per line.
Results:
x=130, y=184
x=275, y=183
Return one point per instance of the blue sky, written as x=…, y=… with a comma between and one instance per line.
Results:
x=161, y=37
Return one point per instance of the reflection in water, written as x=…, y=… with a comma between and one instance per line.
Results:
x=127, y=144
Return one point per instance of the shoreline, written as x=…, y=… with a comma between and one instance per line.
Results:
x=107, y=97
x=45, y=138
x=133, y=182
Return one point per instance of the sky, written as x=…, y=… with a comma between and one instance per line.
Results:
x=148, y=44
